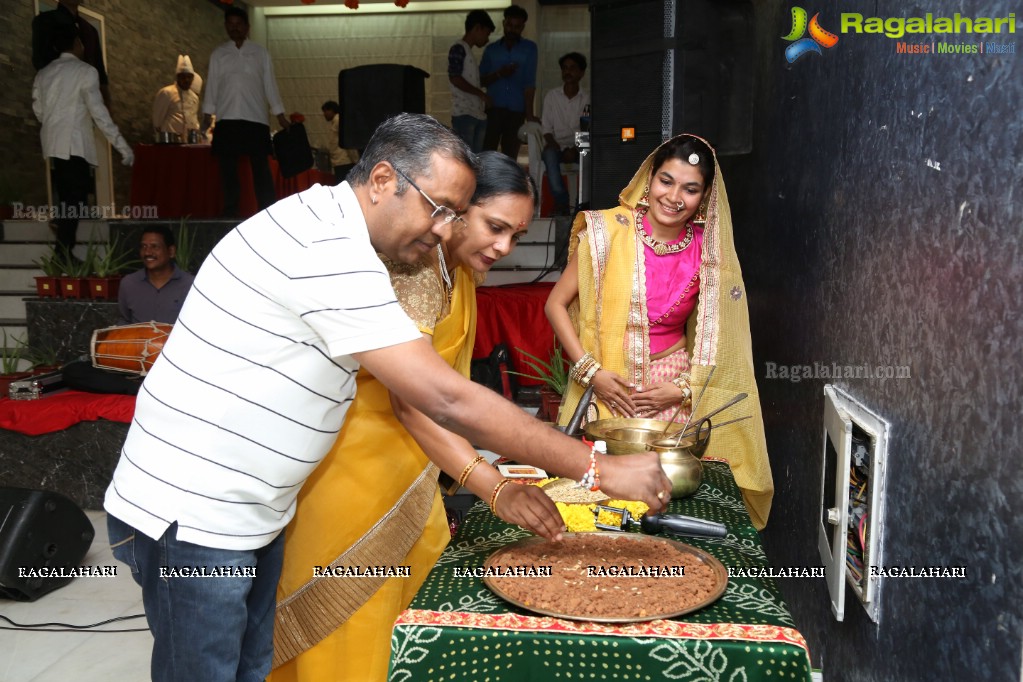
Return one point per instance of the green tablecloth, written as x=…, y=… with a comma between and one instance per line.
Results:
x=457, y=629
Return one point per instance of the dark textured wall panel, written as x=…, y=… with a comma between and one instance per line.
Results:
x=879, y=221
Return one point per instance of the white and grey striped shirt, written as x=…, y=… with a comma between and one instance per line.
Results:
x=254, y=382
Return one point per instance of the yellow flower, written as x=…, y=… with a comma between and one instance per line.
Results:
x=579, y=517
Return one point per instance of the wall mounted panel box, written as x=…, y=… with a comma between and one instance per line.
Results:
x=851, y=525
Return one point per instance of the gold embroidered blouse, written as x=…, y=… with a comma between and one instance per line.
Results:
x=420, y=292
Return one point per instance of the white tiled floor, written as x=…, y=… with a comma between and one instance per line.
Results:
x=89, y=656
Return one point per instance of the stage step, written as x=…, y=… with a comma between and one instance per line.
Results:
x=23, y=241
x=19, y=278
x=40, y=231
x=12, y=304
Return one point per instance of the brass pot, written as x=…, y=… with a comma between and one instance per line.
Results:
x=629, y=435
x=683, y=468
x=680, y=461
x=625, y=435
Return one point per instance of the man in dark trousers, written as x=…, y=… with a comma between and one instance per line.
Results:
x=255, y=382
x=66, y=100
x=508, y=71
x=239, y=88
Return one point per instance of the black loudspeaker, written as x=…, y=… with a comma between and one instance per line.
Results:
x=664, y=67
x=39, y=530
x=372, y=93
x=291, y=147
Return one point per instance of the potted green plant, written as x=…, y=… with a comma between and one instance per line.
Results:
x=553, y=373
x=47, y=285
x=41, y=359
x=185, y=250
x=74, y=272
x=105, y=279
x=10, y=363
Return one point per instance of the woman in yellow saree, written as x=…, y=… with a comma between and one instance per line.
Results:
x=374, y=502
x=653, y=297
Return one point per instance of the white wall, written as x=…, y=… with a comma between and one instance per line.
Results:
x=309, y=50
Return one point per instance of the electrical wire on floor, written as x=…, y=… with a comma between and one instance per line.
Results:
x=560, y=257
x=548, y=266
x=70, y=627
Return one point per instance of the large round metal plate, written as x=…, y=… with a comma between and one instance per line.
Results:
x=655, y=611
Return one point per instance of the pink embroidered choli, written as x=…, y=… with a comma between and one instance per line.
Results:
x=666, y=280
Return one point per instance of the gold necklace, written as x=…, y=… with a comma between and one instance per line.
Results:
x=662, y=248
x=449, y=288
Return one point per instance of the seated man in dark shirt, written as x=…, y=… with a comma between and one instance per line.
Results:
x=157, y=291
x=153, y=294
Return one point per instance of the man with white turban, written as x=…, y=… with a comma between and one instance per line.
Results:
x=176, y=107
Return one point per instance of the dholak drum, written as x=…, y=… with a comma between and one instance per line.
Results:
x=132, y=348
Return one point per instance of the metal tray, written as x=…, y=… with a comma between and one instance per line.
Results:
x=720, y=575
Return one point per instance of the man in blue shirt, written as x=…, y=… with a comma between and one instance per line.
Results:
x=508, y=71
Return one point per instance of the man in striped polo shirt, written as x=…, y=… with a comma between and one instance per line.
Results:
x=254, y=382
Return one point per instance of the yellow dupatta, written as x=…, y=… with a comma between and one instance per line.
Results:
x=373, y=501
x=611, y=321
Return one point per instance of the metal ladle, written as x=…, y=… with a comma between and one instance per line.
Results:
x=733, y=401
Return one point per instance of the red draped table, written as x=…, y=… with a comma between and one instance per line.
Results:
x=513, y=315
x=184, y=180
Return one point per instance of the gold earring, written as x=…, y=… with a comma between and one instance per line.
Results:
x=701, y=215
x=644, y=201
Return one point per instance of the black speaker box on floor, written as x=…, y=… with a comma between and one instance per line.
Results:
x=372, y=93
x=39, y=529
x=664, y=67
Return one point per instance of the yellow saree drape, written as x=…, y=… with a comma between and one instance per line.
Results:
x=611, y=307
x=372, y=466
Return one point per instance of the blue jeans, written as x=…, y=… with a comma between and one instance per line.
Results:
x=471, y=130
x=552, y=160
x=213, y=629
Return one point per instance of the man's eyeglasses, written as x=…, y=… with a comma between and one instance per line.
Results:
x=440, y=213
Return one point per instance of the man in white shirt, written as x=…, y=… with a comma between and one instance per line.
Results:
x=176, y=107
x=562, y=108
x=341, y=160
x=468, y=102
x=254, y=383
x=66, y=99
x=239, y=87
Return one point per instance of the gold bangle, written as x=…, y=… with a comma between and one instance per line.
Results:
x=497, y=491
x=469, y=469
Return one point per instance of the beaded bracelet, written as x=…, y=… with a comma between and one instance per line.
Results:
x=682, y=383
x=497, y=491
x=581, y=366
x=469, y=469
x=590, y=373
x=591, y=479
